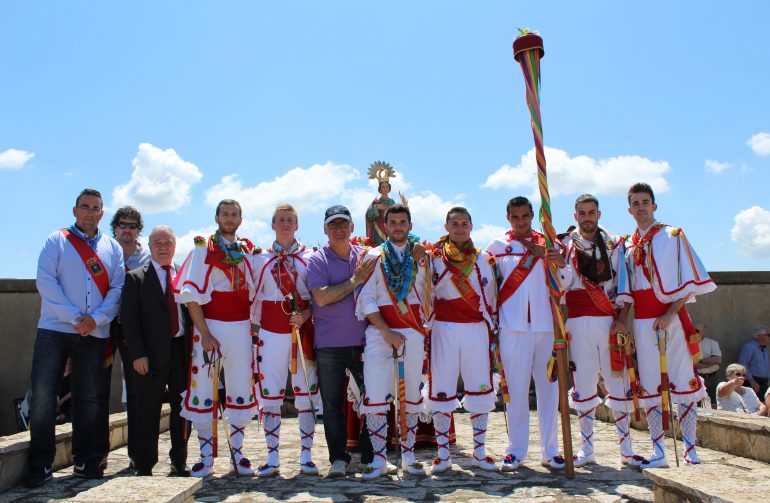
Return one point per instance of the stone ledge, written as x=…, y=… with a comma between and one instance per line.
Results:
x=14, y=448
x=141, y=490
x=709, y=482
x=743, y=435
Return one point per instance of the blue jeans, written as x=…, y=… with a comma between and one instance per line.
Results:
x=331, y=364
x=90, y=382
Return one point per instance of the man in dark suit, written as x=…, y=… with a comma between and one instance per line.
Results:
x=156, y=330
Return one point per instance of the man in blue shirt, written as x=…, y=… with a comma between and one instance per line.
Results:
x=754, y=357
x=79, y=277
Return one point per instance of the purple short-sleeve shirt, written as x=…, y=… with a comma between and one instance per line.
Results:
x=335, y=325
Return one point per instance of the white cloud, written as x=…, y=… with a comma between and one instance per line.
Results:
x=429, y=209
x=307, y=189
x=574, y=175
x=716, y=166
x=13, y=159
x=751, y=232
x=760, y=143
x=160, y=181
x=485, y=233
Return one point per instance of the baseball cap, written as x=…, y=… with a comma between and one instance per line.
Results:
x=335, y=212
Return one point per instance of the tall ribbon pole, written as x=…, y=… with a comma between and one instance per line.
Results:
x=528, y=50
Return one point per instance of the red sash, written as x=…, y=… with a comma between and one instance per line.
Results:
x=285, y=280
x=227, y=306
x=520, y=273
x=395, y=319
x=457, y=311
x=647, y=306
x=91, y=260
x=581, y=302
x=639, y=254
x=275, y=319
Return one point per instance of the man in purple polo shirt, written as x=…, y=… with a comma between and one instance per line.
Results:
x=333, y=273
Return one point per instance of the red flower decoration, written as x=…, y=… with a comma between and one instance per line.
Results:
x=196, y=338
x=194, y=369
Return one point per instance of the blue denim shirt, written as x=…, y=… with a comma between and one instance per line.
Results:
x=67, y=289
x=754, y=358
x=137, y=259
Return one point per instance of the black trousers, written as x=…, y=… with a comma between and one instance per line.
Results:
x=119, y=345
x=149, y=400
x=332, y=363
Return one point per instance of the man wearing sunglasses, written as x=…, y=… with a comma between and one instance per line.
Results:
x=126, y=226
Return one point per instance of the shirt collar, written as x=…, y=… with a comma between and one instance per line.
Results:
x=82, y=235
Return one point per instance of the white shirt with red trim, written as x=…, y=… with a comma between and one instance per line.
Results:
x=571, y=279
x=374, y=292
x=676, y=270
x=482, y=279
x=530, y=304
x=196, y=279
x=266, y=287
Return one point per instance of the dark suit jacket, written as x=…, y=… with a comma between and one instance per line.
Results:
x=146, y=322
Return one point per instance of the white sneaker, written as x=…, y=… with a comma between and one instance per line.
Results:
x=440, y=465
x=555, y=463
x=268, y=470
x=412, y=466
x=203, y=467
x=243, y=467
x=372, y=471
x=692, y=458
x=509, y=463
x=338, y=469
x=634, y=460
x=583, y=459
x=308, y=468
x=660, y=462
x=391, y=468
x=486, y=463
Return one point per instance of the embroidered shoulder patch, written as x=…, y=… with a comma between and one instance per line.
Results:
x=199, y=241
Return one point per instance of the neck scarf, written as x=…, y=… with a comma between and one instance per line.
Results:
x=592, y=268
x=459, y=259
x=233, y=252
x=400, y=273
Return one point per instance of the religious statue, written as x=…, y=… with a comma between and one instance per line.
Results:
x=375, y=214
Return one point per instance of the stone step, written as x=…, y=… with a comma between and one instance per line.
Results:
x=14, y=449
x=733, y=481
x=743, y=435
x=140, y=490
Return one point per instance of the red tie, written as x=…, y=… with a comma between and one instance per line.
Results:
x=171, y=303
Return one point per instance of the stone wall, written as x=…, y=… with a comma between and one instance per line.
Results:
x=741, y=302
x=19, y=313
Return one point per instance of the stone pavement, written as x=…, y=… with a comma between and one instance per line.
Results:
x=602, y=482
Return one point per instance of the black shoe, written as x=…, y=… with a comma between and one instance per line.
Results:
x=36, y=477
x=179, y=471
x=143, y=472
x=85, y=471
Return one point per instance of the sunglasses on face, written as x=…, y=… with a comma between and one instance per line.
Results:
x=123, y=225
x=739, y=374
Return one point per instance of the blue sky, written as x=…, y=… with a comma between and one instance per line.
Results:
x=172, y=105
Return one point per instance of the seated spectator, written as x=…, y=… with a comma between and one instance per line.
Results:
x=754, y=356
x=733, y=396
